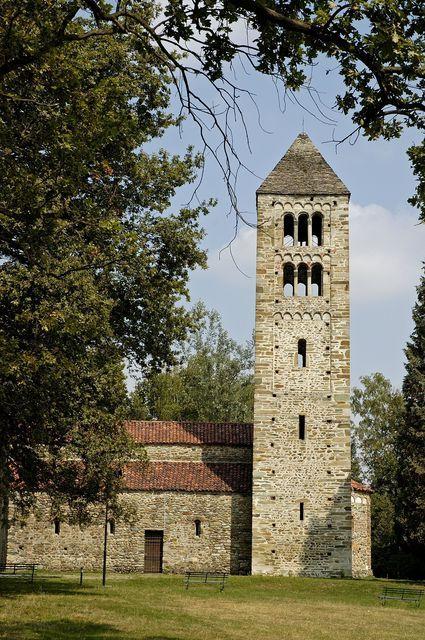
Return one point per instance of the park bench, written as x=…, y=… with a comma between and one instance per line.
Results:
x=205, y=577
x=18, y=571
x=401, y=593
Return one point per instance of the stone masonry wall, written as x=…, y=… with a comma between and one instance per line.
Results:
x=198, y=453
x=362, y=543
x=224, y=543
x=289, y=471
x=3, y=531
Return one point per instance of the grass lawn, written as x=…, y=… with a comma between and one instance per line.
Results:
x=155, y=607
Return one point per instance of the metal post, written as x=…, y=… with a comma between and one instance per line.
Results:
x=81, y=576
x=105, y=544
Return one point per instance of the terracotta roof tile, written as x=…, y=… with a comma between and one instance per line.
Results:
x=303, y=171
x=358, y=486
x=169, y=432
x=189, y=476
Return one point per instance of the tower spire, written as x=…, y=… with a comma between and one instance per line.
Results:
x=303, y=170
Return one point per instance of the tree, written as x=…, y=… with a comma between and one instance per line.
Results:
x=212, y=383
x=356, y=470
x=376, y=48
x=91, y=265
x=379, y=409
x=411, y=438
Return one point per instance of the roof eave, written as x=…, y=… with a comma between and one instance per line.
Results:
x=267, y=192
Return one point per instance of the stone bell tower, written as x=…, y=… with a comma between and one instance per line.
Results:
x=301, y=474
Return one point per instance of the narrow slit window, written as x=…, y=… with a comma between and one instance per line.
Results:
x=317, y=230
x=301, y=427
x=288, y=230
x=317, y=280
x=301, y=511
x=302, y=353
x=57, y=525
x=302, y=280
x=288, y=280
x=112, y=526
x=303, y=230
x=198, y=529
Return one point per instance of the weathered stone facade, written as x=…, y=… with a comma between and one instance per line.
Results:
x=3, y=532
x=361, y=532
x=302, y=516
x=224, y=543
x=209, y=485
x=301, y=485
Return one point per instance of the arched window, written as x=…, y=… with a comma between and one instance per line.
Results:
x=111, y=525
x=288, y=230
x=198, y=528
x=288, y=280
x=57, y=524
x=302, y=353
x=317, y=230
x=302, y=280
x=303, y=230
x=317, y=280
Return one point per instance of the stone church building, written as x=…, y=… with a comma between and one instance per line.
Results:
x=274, y=497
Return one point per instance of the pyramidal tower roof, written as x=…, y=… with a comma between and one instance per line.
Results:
x=303, y=171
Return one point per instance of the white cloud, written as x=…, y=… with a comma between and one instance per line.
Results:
x=386, y=253
x=228, y=263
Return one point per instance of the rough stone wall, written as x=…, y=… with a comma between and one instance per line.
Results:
x=198, y=453
x=361, y=534
x=287, y=470
x=224, y=543
x=3, y=531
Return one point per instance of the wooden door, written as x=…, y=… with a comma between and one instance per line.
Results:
x=153, y=551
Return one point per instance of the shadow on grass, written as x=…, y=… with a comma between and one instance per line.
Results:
x=60, y=630
x=70, y=630
x=10, y=588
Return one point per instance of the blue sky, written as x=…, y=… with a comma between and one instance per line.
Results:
x=387, y=246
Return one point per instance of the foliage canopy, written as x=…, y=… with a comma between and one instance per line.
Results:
x=411, y=436
x=212, y=383
x=377, y=45
x=91, y=266
x=379, y=409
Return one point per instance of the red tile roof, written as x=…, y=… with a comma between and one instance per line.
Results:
x=358, y=486
x=189, y=476
x=168, y=432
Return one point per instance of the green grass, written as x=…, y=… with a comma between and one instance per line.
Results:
x=159, y=608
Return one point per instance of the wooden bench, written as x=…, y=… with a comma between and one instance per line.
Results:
x=401, y=593
x=18, y=571
x=205, y=577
